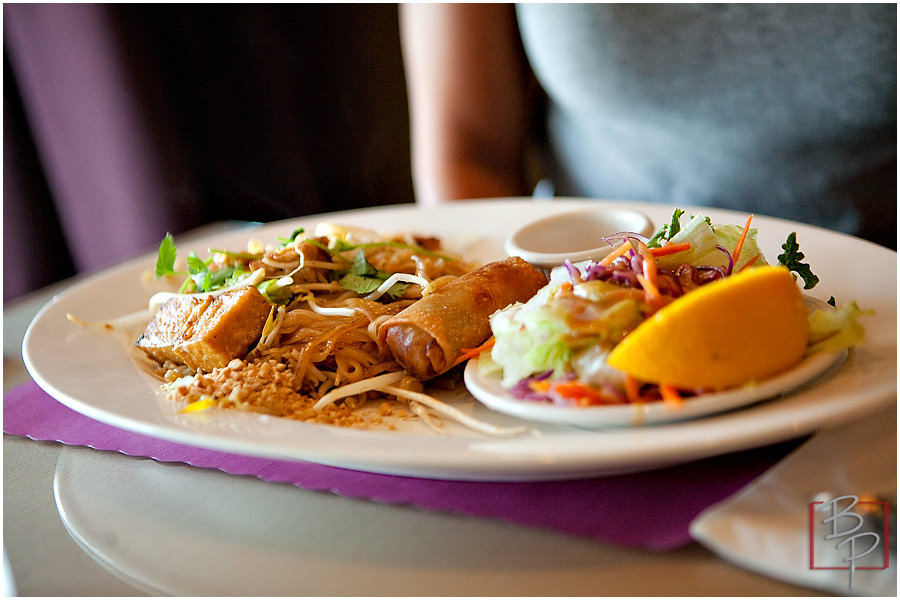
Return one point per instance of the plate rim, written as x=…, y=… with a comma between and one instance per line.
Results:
x=488, y=390
x=569, y=460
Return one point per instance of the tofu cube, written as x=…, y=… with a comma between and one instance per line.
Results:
x=206, y=333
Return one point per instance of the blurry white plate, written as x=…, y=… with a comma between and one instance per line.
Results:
x=96, y=373
x=488, y=390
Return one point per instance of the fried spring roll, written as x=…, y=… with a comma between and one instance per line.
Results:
x=428, y=336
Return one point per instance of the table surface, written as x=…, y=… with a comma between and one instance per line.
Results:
x=351, y=547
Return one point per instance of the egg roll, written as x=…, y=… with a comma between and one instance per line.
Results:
x=428, y=336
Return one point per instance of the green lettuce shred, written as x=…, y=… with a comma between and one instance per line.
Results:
x=529, y=341
x=706, y=240
x=836, y=330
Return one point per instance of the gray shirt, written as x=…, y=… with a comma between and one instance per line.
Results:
x=785, y=110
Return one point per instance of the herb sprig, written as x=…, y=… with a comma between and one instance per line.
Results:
x=198, y=272
x=363, y=278
x=792, y=258
x=666, y=232
x=360, y=276
x=165, y=260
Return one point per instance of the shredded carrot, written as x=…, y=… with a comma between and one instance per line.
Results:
x=740, y=243
x=750, y=262
x=671, y=395
x=650, y=268
x=606, y=260
x=468, y=353
x=632, y=389
x=582, y=393
x=651, y=293
x=649, y=262
x=670, y=248
x=649, y=279
x=539, y=386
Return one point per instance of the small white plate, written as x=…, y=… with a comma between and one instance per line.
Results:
x=487, y=389
x=575, y=235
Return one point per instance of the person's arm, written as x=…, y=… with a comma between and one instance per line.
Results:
x=467, y=84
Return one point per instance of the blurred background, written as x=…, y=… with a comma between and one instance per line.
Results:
x=126, y=121
x=123, y=122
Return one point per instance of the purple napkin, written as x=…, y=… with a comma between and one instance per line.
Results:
x=651, y=510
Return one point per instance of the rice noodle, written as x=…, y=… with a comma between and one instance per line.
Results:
x=319, y=358
x=454, y=413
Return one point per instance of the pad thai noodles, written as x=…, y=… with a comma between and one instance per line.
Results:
x=292, y=330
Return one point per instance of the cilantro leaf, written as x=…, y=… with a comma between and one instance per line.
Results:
x=359, y=283
x=361, y=266
x=396, y=290
x=207, y=280
x=165, y=260
x=364, y=278
x=366, y=285
x=199, y=272
x=668, y=231
x=199, y=276
x=195, y=263
x=792, y=258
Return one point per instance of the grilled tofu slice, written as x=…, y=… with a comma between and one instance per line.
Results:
x=172, y=325
x=206, y=332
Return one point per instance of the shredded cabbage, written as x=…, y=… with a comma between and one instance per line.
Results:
x=706, y=240
x=551, y=333
x=529, y=339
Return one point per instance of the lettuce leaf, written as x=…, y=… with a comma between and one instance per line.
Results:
x=550, y=333
x=706, y=240
x=528, y=341
x=836, y=330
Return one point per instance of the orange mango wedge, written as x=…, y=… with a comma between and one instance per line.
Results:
x=741, y=329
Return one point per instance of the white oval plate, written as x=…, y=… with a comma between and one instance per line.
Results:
x=95, y=374
x=487, y=389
